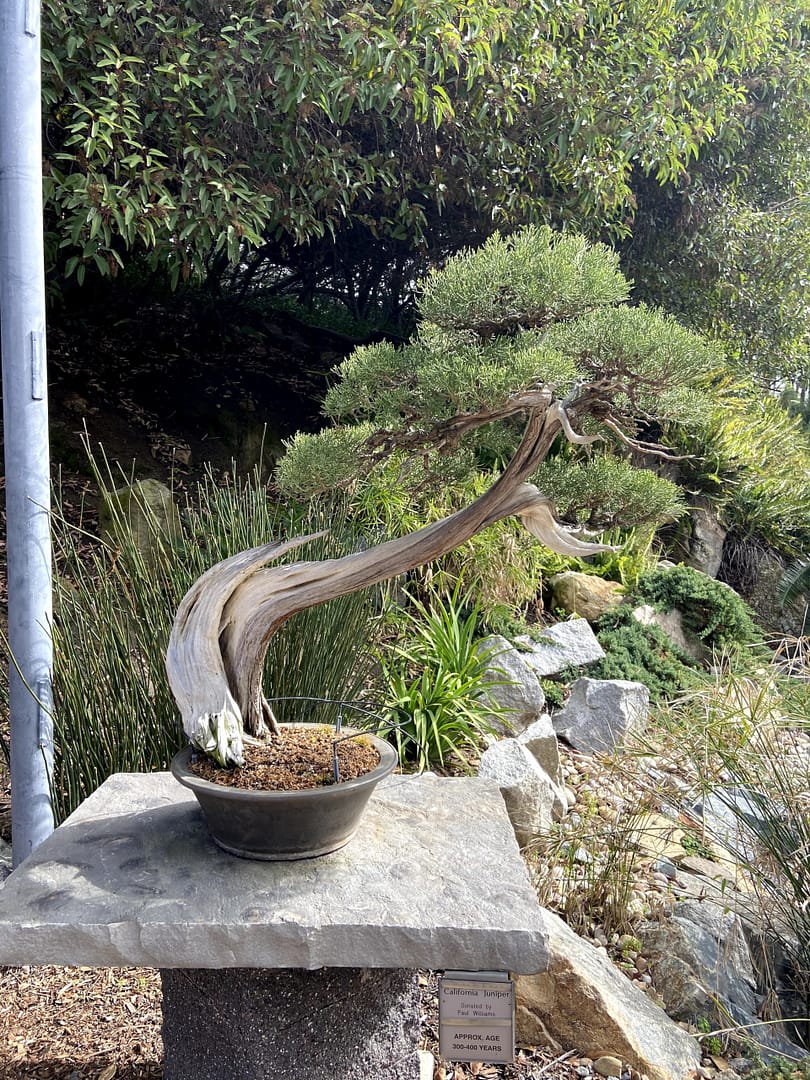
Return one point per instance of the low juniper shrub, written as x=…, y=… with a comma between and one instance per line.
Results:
x=713, y=614
x=642, y=654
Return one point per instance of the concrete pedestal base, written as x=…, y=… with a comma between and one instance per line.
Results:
x=252, y=1024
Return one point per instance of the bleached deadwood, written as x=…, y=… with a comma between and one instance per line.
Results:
x=212, y=718
x=223, y=627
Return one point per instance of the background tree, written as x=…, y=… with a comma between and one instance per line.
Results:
x=311, y=147
x=728, y=247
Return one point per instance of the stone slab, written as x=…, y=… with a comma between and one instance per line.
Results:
x=432, y=879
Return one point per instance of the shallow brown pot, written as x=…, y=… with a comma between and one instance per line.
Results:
x=284, y=825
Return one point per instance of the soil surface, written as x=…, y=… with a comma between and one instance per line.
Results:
x=295, y=760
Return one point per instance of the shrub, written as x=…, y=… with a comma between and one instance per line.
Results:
x=713, y=614
x=642, y=654
x=751, y=459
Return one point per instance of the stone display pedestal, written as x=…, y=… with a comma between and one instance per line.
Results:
x=352, y=1023
x=432, y=879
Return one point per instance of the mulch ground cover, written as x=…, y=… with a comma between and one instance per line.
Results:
x=104, y=1024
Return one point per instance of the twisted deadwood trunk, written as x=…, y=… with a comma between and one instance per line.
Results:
x=223, y=626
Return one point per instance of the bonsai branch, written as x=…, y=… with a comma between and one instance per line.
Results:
x=654, y=449
x=220, y=636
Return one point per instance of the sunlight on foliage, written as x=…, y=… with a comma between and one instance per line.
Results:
x=531, y=279
x=607, y=491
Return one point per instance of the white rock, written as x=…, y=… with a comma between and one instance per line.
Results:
x=671, y=622
x=426, y=1065
x=540, y=740
x=531, y=796
x=601, y=713
x=567, y=644
x=513, y=685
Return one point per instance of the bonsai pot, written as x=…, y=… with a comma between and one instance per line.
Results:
x=284, y=825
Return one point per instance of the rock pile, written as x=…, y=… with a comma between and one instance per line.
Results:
x=692, y=962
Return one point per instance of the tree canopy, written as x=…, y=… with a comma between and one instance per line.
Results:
x=534, y=329
x=192, y=134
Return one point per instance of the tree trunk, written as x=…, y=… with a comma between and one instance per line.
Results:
x=219, y=640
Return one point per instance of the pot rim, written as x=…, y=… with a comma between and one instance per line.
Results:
x=387, y=763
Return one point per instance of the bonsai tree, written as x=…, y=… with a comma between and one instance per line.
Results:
x=523, y=347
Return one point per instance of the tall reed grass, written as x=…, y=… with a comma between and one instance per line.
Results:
x=114, y=604
x=750, y=748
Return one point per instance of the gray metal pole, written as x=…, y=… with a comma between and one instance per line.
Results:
x=25, y=421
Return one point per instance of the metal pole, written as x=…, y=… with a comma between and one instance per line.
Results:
x=25, y=421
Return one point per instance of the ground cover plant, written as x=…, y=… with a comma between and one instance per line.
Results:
x=714, y=616
x=642, y=654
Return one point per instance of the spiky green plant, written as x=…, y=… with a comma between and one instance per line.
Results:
x=438, y=684
x=795, y=585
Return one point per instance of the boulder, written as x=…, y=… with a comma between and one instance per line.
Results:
x=600, y=714
x=567, y=644
x=533, y=800
x=146, y=509
x=540, y=740
x=512, y=685
x=586, y=595
x=671, y=622
x=706, y=543
x=702, y=967
x=583, y=1000
x=736, y=816
x=761, y=589
x=659, y=837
